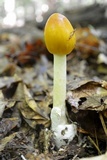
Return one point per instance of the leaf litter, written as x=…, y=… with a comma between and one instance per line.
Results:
x=26, y=80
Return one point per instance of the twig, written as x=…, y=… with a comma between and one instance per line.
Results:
x=23, y=158
x=91, y=140
x=103, y=123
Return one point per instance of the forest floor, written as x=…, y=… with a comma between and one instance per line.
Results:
x=26, y=82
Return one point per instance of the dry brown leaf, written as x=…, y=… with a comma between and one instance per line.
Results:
x=86, y=99
x=8, y=81
x=4, y=141
x=88, y=95
x=31, y=112
x=6, y=125
x=32, y=52
x=87, y=43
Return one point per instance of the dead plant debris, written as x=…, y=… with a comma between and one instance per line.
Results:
x=26, y=80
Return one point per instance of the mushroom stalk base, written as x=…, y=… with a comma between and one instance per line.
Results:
x=63, y=132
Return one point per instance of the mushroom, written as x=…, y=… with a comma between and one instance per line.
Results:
x=60, y=40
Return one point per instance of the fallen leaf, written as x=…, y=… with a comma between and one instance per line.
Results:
x=8, y=81
x=6, y=125
x=32, y=52
x=87, y=43
x=4, y=141
x=31, y=112
x=87, y=95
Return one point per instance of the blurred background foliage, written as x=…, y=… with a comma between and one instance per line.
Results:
x=18, y=12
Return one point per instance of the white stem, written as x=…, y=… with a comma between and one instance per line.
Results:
x=59, y=91
x=62, y=130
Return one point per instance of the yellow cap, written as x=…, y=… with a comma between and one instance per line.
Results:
x=59, y=35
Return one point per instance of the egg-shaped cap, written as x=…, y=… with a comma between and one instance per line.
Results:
x=59, y=35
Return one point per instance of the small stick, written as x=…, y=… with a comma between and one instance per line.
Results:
x=91, y=140
x=103, y=123
x=23, y=158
